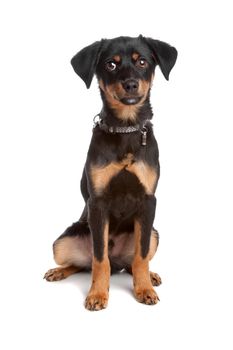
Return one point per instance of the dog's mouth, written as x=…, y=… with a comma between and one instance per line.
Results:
x=133, y=100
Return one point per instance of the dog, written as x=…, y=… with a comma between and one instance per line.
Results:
x=115, y=231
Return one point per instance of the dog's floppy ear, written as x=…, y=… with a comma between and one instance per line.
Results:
x=85, y=62
x=164, y=54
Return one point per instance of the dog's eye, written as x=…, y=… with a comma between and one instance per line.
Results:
x=141, y=62
x=110, y=66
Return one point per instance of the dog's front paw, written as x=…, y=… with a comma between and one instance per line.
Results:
x=146, y=296
x=96, y=302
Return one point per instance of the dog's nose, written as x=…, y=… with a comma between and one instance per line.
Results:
x=130, y=85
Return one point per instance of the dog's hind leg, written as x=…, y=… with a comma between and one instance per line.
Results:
x=72, y=251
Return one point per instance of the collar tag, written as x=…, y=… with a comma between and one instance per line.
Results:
x=144, y=135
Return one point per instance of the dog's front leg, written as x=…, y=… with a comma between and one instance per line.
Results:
x=97, y=298
x=143, y=289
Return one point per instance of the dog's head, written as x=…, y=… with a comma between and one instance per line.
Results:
x=124, y=68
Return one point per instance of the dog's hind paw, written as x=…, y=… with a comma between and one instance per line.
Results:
x=155, y=279
x=56, y=274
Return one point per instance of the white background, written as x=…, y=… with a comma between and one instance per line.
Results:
x=46, y=121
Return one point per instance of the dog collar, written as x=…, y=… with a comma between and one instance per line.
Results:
x=121, y=129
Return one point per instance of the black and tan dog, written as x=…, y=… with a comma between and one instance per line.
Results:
x=115, y=230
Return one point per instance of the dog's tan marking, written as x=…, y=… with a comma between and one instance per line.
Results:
x=145, y=86
x=127, y=160
x=97, y=298
x=117, y=58
x=153, y=245
x=143, y=289
x=135, y=56
x=101, y=176
x=146, y=175
x=73, y=251
x=115, y=92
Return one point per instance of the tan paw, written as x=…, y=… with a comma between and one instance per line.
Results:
x=146, y=296
x=155, y=279
x=96, y=302
x=56, y=274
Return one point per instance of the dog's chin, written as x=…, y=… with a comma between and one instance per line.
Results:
x=130, y=100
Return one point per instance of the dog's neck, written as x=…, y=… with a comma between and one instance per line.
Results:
x=124, y=116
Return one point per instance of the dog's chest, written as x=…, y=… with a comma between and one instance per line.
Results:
x=101, y=176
